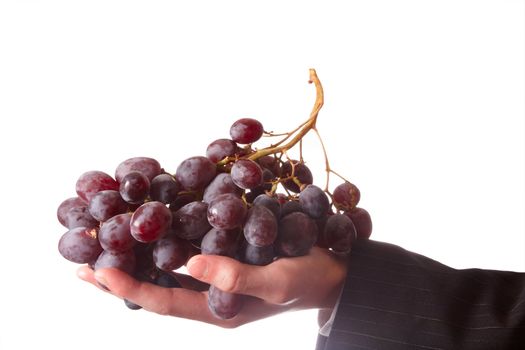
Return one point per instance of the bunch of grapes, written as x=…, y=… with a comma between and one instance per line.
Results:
x=253, y=205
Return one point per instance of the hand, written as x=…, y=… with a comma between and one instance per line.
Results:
x=306, y=282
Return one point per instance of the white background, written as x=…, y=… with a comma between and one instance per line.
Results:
x=424, y=112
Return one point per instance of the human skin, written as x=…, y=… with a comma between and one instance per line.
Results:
x=313, y=281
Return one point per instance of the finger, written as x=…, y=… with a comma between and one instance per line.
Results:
x=232, y=276
x=85, y=273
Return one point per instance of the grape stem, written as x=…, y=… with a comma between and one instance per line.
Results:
x=306, y=127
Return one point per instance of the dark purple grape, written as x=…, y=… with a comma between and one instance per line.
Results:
x=290, y=207
x=246, y=174
x=124, y=261
x=115, y=234
x=246, y=130
x=132, y=306
x=346, y=196
x=134, y=187
x=150, y=222
x=182, y=200
x=253, y=255
x=80, y=217
x=226, y=211
x=148, y=166
x=191, y=221
x=271, y=163
x=314, y=201
x=66, y=205
x=80, y=245
x=362, y=222
x=106, y=204
x=91, y=182
x=164, y=188
x=271, y=203
x=171, y=252
x=220, y=242
x=219, y=149
x=260, y=228
x=224, y=305
x=264, y=187
x=300, y=171
x=167, y=280
x=221, y=184
x=339, y=233
x=297, y=234
x=195, y=173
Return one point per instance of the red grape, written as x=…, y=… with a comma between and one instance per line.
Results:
x=246, y=130
x=221, y=184
x=246, y=174
x=297, y=234
x=346, y=196
x=67, y=204
x=339, y=233
x=148, y=166
x=362, y=222
x=80, y=217
x=150, y=222
x=219, y=149
x=253, y=255
x=134, y=187
x=269, y=202
x=80, y=245
x=106, y=204
x=226, y=211
x=260, y=228
x=171, y=252
x=223, y=304
x=190, y=221
x=91, y=182
x=195, y=173
x=164, y=188
x=124, y=261
x=314, y=201
x=220, y=242
x=115, y=234
x=300, y=171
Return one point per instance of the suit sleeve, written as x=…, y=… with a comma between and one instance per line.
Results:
x=395, y=299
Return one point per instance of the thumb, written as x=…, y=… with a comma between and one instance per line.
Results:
x=230, y=275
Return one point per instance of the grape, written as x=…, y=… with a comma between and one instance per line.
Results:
x=164, y=188
x=148, y=166
x=124, y=261
x=226, y=211
x=270, y=163
x=171, y=252
x=346, y=196
x=290, y=207
x=362, y=222
x=132, y=306
x=246, y=130
x=269, y=202
x=297, y=234
x=339, y=233
x=80, y=217
x=66, y=205
x=301, y=172
x=223, y=304
x=260, y=228
x=195, y=173
x=182, y=200
x=314, y=201
x=253, y=255
x=190, y=221
x=106, y=204
x=167, y=280
x=246, y=174
x=220, y=242
x=266, y=185
x=80, y=245
x=115, y=234
x=221, y=184
x=134, y=187
x=219, y=149
x=150, y=222
x=91, y=182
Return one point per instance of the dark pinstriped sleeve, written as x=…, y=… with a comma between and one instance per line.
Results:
x=395, y=299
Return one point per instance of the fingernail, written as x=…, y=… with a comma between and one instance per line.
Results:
x=101, y=282
x=198, y=267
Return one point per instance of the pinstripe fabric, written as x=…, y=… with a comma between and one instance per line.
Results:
x=395, y=299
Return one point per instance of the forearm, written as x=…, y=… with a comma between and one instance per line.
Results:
x=396, y=299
